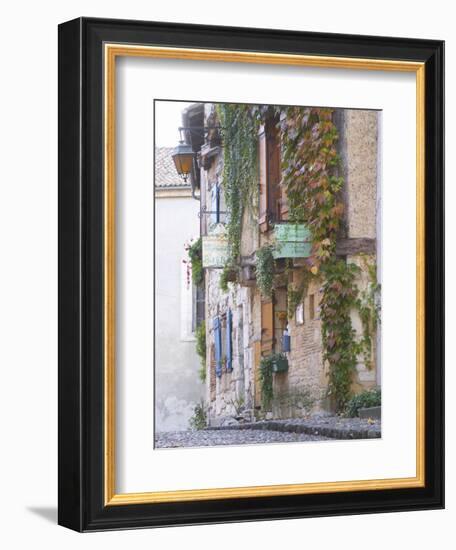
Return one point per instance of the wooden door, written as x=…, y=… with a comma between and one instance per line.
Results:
x=267, y=327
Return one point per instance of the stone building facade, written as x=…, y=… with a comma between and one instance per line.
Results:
x=242, y=326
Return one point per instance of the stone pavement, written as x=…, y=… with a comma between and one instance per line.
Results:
x=333, y=427
x=315, y=428
x=210, y=438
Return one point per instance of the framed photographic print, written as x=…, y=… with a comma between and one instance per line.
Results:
x=250, y=274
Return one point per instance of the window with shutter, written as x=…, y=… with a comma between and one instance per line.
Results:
x=218, y=346
x=283, y=202
x=229, y=341
x=273, y=204
x=273, y=172
x=263, y=189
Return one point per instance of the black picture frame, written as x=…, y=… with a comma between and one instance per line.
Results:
x=81, y=401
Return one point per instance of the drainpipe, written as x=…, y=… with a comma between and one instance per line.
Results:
x=193, y=178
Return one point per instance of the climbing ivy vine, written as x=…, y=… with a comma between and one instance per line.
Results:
x=240, y=168
x=200, y=336
x=267, y=392
x=313, y=182
x=310, y=167
x=195, y=253
x=229, y=275
x=340, y=344
x=264, y=268
x=368, y=307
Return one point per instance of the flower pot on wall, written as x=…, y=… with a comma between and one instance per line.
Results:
x=280, y=364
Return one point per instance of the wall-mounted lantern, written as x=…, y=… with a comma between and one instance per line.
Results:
x=183, y=157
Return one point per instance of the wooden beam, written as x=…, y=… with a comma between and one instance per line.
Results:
x=351, y=247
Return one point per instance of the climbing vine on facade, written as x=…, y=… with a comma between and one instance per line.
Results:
x=229, y=275
x=267, y=393
x=264, y=268
x=368, y=307
x=309, y=166
x=195, y=253
x=240, y=168
x=341, y=347
x=311, y=176
x=200, y=336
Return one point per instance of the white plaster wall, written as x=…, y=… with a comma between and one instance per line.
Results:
x=177, y=385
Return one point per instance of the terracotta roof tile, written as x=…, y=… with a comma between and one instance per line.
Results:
x=165, y=170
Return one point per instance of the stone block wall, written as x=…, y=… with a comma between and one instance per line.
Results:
x=233, y=395
x=301, y=389
x=358, y=145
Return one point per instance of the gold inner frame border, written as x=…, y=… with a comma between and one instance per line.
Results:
x=111, y=52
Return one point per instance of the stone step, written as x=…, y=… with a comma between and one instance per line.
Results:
x=310, y=428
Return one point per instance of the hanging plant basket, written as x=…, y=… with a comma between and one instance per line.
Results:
x=279, y=364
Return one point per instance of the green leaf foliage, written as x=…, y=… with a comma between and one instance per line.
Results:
x=240, y=169
x=264, y=268
x=195, y=253
x=199, y=419
x=339, y=294
x=200, y=335
x=367, y=398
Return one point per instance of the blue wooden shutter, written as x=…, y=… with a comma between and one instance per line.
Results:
x=229, y=346
x=218, y=346
x=286, y=342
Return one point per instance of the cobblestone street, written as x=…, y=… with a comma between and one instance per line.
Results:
x=210, y=438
